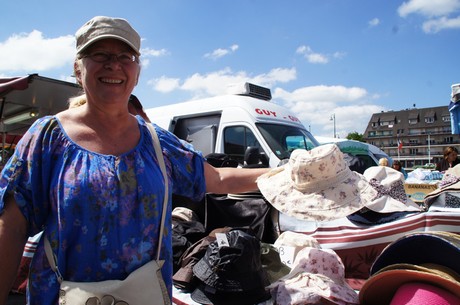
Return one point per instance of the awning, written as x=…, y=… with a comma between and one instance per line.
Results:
x=33, y=93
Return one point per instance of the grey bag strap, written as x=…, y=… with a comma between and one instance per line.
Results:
x=52, y=260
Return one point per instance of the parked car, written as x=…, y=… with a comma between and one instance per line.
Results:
x=361, y=155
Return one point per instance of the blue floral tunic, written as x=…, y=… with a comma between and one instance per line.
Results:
x=101, y=213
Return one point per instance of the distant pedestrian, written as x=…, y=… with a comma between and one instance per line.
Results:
x=383, y=162
x=398, y=166
x=450, y=159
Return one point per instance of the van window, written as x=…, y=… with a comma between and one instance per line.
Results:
x=237, y=139
x=200, y=131
x=283, y=139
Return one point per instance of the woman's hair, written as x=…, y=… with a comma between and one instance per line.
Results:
x=396, y=162
x=448, y=150
x=77, y=101
x=383, y=162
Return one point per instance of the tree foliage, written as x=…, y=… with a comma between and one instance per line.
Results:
x=355, y=136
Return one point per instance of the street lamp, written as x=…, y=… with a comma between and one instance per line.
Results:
x=332, y=118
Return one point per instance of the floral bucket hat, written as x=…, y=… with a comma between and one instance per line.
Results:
x=316, y=185
x=318, y=276
x=391, y=197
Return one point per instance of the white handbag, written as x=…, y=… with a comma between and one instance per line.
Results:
x=143, y=286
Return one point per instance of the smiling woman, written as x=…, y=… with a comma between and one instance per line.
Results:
x=98, y=181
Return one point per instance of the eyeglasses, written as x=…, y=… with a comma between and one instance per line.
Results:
x=124, y=58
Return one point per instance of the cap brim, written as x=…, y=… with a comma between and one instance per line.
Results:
x=107, y=36
x=380, y=288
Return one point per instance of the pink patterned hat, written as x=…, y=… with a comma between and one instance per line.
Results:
x=316, y=185
x=318, y=276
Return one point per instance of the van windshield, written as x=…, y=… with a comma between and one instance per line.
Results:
x=283, y=139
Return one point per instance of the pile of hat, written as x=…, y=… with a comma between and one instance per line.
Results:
x=231, y=272
x=418, y=268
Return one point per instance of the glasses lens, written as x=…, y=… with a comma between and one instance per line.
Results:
x=99, y=56
x=124, y=58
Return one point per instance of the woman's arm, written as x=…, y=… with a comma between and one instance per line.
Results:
x=231, y=180
x=13, y=237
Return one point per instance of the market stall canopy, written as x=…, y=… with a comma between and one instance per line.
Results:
x=24, y=99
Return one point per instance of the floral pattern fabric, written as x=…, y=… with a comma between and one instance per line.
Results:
x=101, y=213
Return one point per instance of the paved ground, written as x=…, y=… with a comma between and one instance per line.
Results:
x=16, y=299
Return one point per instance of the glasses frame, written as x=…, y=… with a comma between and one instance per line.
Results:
x=107, y=57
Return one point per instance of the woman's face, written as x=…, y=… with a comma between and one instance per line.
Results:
x=109, y=81
x=452, y=156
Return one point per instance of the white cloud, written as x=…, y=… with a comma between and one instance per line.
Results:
x=153, y=52
x=443, y=23
x=164, y=84
x=429, y=8
x=317, y=58
x=314, y=106
x=218, y=53
x=374, y=22
x=216, y=83
x=31, y=52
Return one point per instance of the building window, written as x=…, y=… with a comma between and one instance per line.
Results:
x=448, y=140
x=446, y=118
x=429, y=120
x=412, y=121
x=413, y=141
x=413, y=151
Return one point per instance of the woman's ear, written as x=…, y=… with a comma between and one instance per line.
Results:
x=77, y=71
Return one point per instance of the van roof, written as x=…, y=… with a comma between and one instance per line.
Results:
x=261, y=110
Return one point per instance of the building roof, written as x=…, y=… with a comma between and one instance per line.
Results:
x=402, y=118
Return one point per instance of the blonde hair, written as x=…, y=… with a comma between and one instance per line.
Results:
x=383, y=162
x=77, y=101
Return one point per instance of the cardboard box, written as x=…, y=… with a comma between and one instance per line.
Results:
x=418, y=191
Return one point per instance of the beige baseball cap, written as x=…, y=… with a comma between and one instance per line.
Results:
x=102, y=27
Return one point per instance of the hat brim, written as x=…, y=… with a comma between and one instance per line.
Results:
x=421, y=248
x=430, y=197
x=387, y=204
x=107, y=36
x=381, y=287
x=329, y=203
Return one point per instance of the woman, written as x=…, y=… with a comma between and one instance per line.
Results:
x=398, y=166
x=449, y=160
x=90, y=178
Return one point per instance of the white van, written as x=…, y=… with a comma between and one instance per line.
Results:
x=245, y=125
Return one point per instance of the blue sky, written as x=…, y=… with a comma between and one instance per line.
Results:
x=351, y=58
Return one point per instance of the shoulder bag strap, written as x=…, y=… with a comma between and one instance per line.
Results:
x=52, y=260
x=161, y=162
